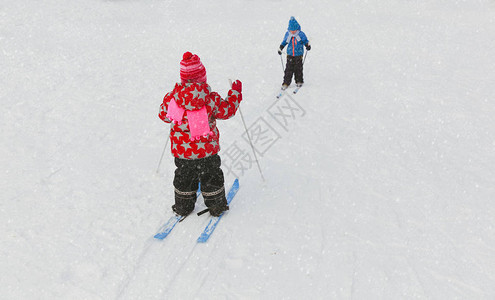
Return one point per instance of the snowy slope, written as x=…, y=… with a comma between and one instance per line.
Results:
x=379, y=179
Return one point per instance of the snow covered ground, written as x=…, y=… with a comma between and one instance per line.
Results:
x=380, y=180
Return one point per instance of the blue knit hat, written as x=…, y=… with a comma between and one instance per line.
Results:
x=293, y=25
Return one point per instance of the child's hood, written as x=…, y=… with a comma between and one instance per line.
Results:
x=293, y=24
x=191, y=96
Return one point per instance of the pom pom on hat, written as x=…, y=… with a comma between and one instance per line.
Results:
x=293, y=24
x=187, y=55
x=191, y=68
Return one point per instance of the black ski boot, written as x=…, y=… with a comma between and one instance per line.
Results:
x=184, y=202
x=216, y=202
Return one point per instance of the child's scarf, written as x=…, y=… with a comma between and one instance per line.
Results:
x=296, y=35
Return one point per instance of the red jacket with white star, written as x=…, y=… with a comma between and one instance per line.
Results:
x=193, y=96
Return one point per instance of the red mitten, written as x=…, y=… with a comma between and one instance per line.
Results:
x=237, y=86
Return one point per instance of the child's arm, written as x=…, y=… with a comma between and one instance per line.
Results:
x=228, y=107
x=284, y=41
x=304, y=38
x=283, y=44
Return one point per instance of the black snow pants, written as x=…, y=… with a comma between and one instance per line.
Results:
x=294, y=67
x=192, y=172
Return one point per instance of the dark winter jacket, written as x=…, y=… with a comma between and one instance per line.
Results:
x=192, y=97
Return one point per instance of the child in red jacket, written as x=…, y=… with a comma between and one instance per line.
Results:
x=193, y=109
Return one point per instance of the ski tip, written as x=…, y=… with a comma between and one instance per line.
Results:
x=203, y=239
x=234, y=189
x=159, y=236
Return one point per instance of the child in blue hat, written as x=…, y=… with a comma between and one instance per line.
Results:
x=295, y=39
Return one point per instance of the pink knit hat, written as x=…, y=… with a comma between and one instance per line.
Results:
x=191, y=69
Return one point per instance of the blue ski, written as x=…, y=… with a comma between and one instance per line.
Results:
x=296, y=90
x=167, y=227
x=172, y=221
x=214, y=220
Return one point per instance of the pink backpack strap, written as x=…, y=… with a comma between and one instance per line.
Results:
x=198, y=123
x=174, y=112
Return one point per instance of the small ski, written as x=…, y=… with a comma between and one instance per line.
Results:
x=298, y=87
x=170, y=224
x=167, y=227
x=212, y=224
x=293, y=91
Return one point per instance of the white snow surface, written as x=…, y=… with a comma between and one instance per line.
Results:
x=381, y=186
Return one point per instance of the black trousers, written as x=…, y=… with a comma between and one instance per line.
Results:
x=189, y=174
x=294, y=67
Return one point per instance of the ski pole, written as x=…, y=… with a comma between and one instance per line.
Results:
x=249, y=138
x=305, y=57
x=161, y=157
x=251, y=143
x=282, y=61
